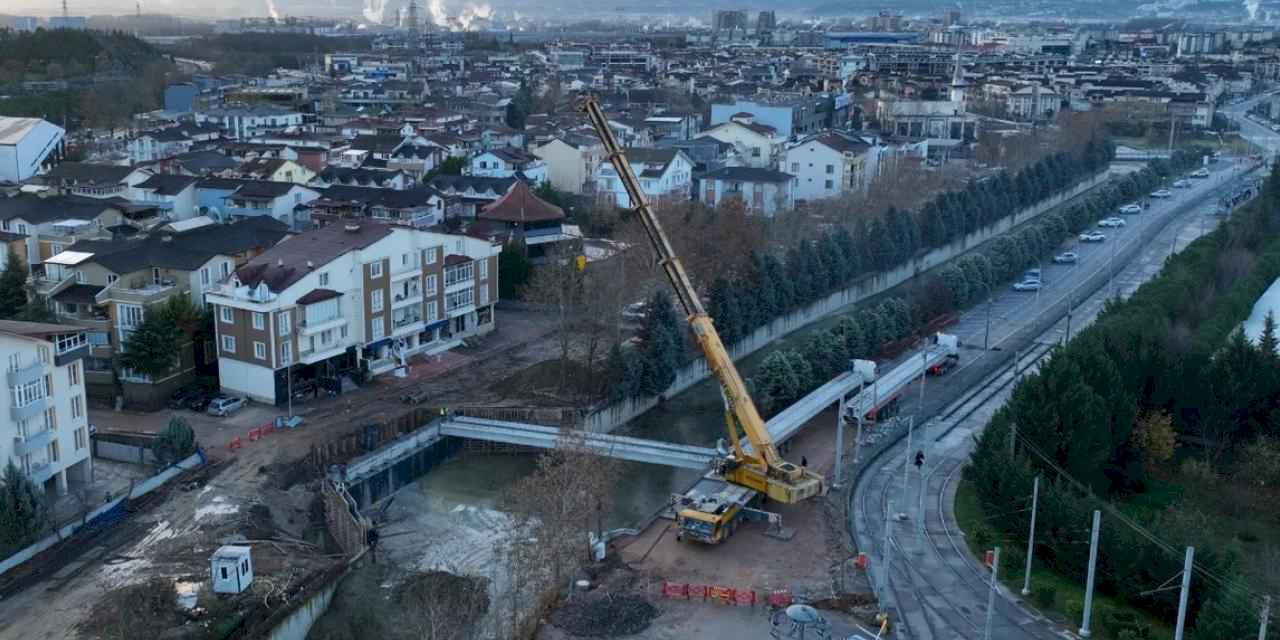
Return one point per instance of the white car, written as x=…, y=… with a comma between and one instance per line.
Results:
x=1162, y=193
x=1093, y=236
x=1181, y=184
x=1200, y=173
x=1069, y=257
x=1111, y=222
x=1131, y=209
x=223, y=406
x=1027, y=285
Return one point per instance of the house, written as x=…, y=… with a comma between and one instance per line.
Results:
x=27, y=147
x=467, y=194
x=45, y=429
x=758, y=145
x=175, y=195
x=521, y=216
x=345, y=297
x=150, y=146
x=94, y=180
x=509, y=162
x=419, y=207
x=829, y=164
x=416, y=158
x=275, y=170
x=920, y=119
x=108, y=286
x=1033, y=102
x=280, y=200
x=664, y=174
x=47, y=225
x=353, y=177
x=790, y=116
x=571, y=161
x=763, y=192
x=242, y=123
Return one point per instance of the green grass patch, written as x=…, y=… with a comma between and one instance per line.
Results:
x=1056, y=596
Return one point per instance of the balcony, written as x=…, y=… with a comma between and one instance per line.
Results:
x=70, y=347
x=402, y=273
x=312, y=327
x=35, y=442
x=400, y=323
x=23, y=375
x=49, y=287
x=321, y=353
x=30, y=410
x=406, y=299
x=135, y=292
x=40, y=472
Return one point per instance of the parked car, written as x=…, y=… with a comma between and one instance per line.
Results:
x=1093, y=236
x=1031, y=274
x=1162, y=193
x=1069, y=257
x=1027, y=285
x=1200, y=173
x=1131, y=208
x=1181, y=183
x=200, y=401
x=223, y=406
x=1112, y=222
x=182, y=397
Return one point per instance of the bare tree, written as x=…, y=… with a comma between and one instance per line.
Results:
x=557, y=283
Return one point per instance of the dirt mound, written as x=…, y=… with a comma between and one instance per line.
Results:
x=604, y=615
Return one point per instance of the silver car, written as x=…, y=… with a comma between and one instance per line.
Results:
x=223, y=406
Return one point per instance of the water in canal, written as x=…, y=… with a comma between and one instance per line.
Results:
x=694, y=417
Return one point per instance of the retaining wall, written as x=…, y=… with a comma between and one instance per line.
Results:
x=298, y=624
x=614, y=415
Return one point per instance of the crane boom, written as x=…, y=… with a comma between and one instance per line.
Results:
x=763, y=469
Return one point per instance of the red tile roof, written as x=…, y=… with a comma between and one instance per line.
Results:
x=520, y=205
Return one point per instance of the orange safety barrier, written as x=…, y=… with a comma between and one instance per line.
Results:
x=234, y=444
x=861, y=562
x=268, y=429
x=255, y=435
x=697, y=591
x=723, y=594
x=780, y=598
x=747, y=597
x=673, y=590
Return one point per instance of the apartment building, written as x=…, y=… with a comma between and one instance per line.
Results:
x=349, y=297
x=829, y=164
x=665, y=174
x=108, y=287
x=45, y=430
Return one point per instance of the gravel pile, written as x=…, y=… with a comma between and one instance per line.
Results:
x=602, y=615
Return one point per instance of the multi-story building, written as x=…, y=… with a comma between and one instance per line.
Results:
x=665, y=174
x=789, y=115
x=829, y=164
x=763, y=192
x=44, y=430
x=26, y=146
x=349, y=297
x=757, y=144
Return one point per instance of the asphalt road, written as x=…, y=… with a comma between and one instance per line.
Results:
x=934, y=588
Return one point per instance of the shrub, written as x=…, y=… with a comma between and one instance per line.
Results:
x=1045, y=596
x=175, y=443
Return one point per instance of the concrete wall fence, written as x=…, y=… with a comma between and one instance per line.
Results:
x=614, y=415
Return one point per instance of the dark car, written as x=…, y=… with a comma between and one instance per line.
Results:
x=200, y=401
x=183, y=396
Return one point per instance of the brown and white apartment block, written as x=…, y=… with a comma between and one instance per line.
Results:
x=347, y=297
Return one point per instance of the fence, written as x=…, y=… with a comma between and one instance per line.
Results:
x=612, y=416
x=343, y=520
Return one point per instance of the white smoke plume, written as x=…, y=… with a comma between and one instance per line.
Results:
x=473, y=12
x=271, y=10
x=438, y=15
x=1252, y=7
x=374, y=10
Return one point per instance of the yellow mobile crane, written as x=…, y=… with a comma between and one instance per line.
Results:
x=762, y=469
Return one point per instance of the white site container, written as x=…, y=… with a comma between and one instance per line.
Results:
x=232, y=569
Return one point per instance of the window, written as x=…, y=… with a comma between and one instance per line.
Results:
x=324, y=279
x=375, y=301
x=484, y=268
x=286, y=353
x=378, y=330
x=259, y=320
x=375, y=269
x=795, y=167
x=404, y=259
x=81, y=438
x=460, y=273
x=73, y=374
x=79, y=276
x=226, y=269
x=259, y=350
x=831, y=168
x=70, y=308
x=43, y=352
x=55, y=451
x=755, y=152
x=155, y=275
x=204, y=276
x=827, y=184
x=77, y=409
x=229, y=344
x=326, y=337
x=51, y=418
x=111, y=279
x=342, y=332
x=431, y=285
x=225, y=314
x=433, y=312
x=459, y=299
x=48, y=385
x=284, y=323
x=431, y=256
x=15, y=361
x=224, y=572
x=484, y=295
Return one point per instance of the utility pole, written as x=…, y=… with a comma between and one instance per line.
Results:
x=1093, y=568
x=986, y=338
x=839, y=441
x=887, y=553
x=906, y=458
x=991, y=595
x=1266, y=615
x=1031, y=538
x=1071, y=305
x=1111, y=268
x=1187, y=567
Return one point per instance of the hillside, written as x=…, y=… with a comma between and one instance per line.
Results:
x=59, y=54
